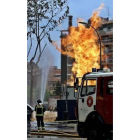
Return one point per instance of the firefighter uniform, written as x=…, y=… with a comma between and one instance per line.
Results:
x=39, y=116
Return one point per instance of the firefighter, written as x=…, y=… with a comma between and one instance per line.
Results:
x=39, y=108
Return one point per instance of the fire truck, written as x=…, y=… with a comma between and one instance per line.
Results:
x=94, y=108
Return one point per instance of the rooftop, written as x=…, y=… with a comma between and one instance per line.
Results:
x=107, y=22
x=99, y=74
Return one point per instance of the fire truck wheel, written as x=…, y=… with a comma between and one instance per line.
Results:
x=80, y=134
x=94, y=134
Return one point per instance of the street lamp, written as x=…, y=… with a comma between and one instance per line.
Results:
x=99, y=41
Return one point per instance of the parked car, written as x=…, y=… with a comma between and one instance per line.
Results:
x=29, y=114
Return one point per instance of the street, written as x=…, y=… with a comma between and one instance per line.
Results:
x=51, y=126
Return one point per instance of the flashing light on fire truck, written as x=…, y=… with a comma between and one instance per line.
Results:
x=100, y=70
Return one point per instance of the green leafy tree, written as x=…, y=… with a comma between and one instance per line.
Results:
x=47, y=94
x=57, y=89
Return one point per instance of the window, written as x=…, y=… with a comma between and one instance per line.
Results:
x=89, y=87
x=110, y=87
x=110, y=26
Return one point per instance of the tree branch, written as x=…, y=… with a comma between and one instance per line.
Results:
x=30, y=47
x=39, y=11
x=49, y=22
x=41, y=54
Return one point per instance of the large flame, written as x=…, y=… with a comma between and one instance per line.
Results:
x=82, y=44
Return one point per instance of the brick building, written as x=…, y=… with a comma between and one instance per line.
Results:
x=53, y=77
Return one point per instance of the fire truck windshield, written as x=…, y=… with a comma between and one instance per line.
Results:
x=88, y=87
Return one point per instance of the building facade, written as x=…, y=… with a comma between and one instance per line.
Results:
x=54, y=76
x=106, y=34
x=66, y=61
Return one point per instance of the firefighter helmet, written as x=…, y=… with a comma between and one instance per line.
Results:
x=39, y=101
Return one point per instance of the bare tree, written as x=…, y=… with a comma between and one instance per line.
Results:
x=42, y=17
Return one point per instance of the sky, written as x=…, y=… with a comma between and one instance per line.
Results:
x=78, y=9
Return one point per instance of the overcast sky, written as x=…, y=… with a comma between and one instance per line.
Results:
x=78, y=9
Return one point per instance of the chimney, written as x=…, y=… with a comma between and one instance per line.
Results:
x=70, y=21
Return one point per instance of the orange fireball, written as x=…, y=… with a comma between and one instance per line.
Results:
x=82, y=44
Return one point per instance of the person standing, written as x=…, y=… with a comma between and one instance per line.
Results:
x=40, y=109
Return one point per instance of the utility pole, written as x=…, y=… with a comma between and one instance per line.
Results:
x=66, y=93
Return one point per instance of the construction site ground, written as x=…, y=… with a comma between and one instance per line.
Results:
x=60, y=130
x=55, y=130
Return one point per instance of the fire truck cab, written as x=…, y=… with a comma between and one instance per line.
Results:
x=94, y=109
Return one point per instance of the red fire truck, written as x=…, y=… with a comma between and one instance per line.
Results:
x=94, y=109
